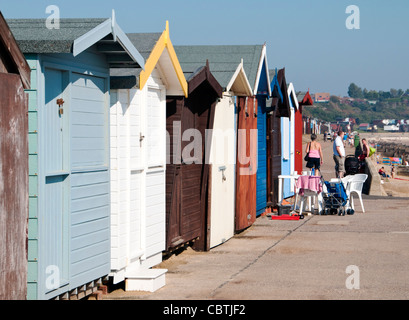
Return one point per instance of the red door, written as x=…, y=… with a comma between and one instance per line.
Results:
x=246, y=165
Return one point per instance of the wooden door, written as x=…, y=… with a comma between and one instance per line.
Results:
x=174, y=108
x=186, y=175
x=14, y=188
x=183, y=177
x=246, y=164
x=262, y=155
x=274, y=161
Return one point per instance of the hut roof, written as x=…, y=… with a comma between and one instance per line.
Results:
x=75, y=36
x=223, y=60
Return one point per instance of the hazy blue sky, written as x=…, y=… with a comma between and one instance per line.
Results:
x=308, y=38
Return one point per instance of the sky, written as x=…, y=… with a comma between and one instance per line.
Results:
x=309, y=38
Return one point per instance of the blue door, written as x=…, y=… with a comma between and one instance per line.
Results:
x=286, y=155
x=262, y=156
x=54, y=216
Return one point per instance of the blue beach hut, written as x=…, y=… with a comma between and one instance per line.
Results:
x=262, y=91
x=69, y=176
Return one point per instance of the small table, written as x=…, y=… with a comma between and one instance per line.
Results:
x=280, y=184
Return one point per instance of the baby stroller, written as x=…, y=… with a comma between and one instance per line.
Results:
x=352, y=165
x=335, y=199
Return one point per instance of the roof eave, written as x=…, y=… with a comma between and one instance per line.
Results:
x=163, y=43
x=100, y=32
x=263, y=60
x=291, y=91
x=240, y=74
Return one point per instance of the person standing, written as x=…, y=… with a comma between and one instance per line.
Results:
x=339, y=155
x=315, y=157
x=365, y=150
x=344, y=139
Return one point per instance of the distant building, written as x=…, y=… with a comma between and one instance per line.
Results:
x=391, y=127
x=321, y=97
x=364, y=126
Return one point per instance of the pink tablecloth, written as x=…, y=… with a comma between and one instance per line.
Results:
x=312, y=183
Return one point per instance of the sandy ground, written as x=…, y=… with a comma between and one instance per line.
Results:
x=395, y=187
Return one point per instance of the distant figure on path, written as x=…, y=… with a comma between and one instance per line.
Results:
x=339, y=155
x=315, y=154
x=365, y=150
x=383, y=173
x=344, y=139
x=357, y=145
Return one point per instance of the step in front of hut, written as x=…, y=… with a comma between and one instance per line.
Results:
x=145, y=280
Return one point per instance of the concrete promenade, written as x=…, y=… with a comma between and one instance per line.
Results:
x=358, y=257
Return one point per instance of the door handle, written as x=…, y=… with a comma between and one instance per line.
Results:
x=60, y=103
x=141, y=137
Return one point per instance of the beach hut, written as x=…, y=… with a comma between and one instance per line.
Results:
x=279, y=108
x=262, y=91
x=288, y=143
x=69, y=176
x=227, y=65
x=14, y=78
x=304, y=99
x=246, y=108
x=138, y=160
x=187, y=171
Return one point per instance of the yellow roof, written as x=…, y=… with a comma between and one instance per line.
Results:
x=163, y=43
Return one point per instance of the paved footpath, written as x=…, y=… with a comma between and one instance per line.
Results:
x=363, y=256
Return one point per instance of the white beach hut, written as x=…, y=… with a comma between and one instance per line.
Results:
x=138, y=161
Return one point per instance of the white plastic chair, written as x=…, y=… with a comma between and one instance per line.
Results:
x=310, y=195
x=345, y=181
x=354, y=184
x=314, y=200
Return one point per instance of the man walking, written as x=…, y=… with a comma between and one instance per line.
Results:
x=339, y=155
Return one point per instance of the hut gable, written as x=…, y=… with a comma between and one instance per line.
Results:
x=262, y=84
x=239, y=83
x=158, y=51
x=201, y=76
x=280, y=100
x=75, y=36
x=304, y=99
x=293, y=96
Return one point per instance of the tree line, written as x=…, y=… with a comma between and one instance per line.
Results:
x=356, y=92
